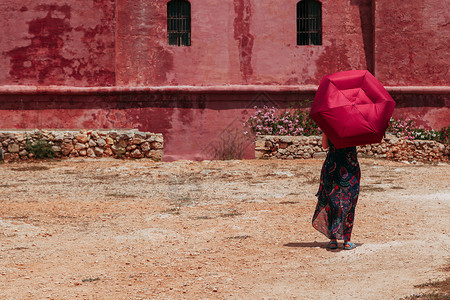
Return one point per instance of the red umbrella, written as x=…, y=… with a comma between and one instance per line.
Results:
x=352, y=108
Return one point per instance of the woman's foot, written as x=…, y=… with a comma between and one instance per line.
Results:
x=332, y=245
x=349, y=245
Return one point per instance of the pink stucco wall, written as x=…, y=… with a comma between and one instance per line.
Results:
x=46, y=42
x=239, y=42
x=124, y=42
x=412, y=42
x=193, y=124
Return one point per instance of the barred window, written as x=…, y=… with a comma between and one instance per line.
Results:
x=179, y=22
x=309, y=22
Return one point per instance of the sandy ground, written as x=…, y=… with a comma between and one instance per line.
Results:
x=113, y=229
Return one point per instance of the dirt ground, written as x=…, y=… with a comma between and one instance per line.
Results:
x=116, y=229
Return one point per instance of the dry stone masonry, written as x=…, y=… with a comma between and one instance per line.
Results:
x=15, y=144
x=391, y=147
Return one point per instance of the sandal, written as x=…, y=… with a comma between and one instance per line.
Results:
x=349, y=245
x=332, y=245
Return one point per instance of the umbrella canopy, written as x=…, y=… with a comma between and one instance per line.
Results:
x=352, y=108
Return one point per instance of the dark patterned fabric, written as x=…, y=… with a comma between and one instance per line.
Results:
x=338, y=193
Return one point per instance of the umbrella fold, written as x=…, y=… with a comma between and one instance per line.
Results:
x=352, y=108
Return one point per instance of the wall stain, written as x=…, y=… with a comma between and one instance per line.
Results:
x=333, y=59
x=162, y=63
x=143, y=56
x=243, y=10
x=98, y=46
x=43, y=60
x=160, y=57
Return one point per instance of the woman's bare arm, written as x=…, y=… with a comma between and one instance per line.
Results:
x=324, y=141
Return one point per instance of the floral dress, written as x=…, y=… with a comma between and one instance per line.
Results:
x=338, y=193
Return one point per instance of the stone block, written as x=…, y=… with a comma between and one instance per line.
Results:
x=128, y=135
x=291, y=149
x=122, y=143
x=79, y=146
x=81, y=137
x=108, y=152
x=268, y=144
x=100, y=142
x=59, y=137
x=98, y=151
x=90, y=152
x=94, y=135
x=286, y=139
x=156, y=155
x=157, y=145
x=118, y=150
x=136, y=153
x=13, y=148
x=56, y=149
x=260, y=143
x=113, y=134
x=66, y=148
x=283, y=145
x=138, y=140
x=140, y=135
x=145, y=146
x=109, y=141
x=159, y=138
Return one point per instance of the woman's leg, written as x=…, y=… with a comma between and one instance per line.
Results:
x=348, y=226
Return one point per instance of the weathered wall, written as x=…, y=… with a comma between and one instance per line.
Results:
x=194, y=125
x=124, y=42
x=239, y=42
x=412, y=39
x=427, y=110
x=44, y=42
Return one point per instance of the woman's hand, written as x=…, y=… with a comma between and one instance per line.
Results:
x=324, y=141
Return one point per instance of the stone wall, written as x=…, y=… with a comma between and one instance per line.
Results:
x=15, y=145
x=391, y=147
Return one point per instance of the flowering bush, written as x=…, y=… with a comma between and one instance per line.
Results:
x=444, y=135
x=407, y=129
x=402, y=128
x=268, y=121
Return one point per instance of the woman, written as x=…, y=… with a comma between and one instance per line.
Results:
x=337, y=195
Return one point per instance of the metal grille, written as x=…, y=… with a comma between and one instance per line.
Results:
x=309, y=22
x=179, y=22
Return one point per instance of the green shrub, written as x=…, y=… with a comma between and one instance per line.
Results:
x=40, y=149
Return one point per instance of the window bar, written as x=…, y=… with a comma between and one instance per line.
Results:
x=309, y=23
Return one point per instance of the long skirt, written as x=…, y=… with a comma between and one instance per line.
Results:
x=338, y=194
